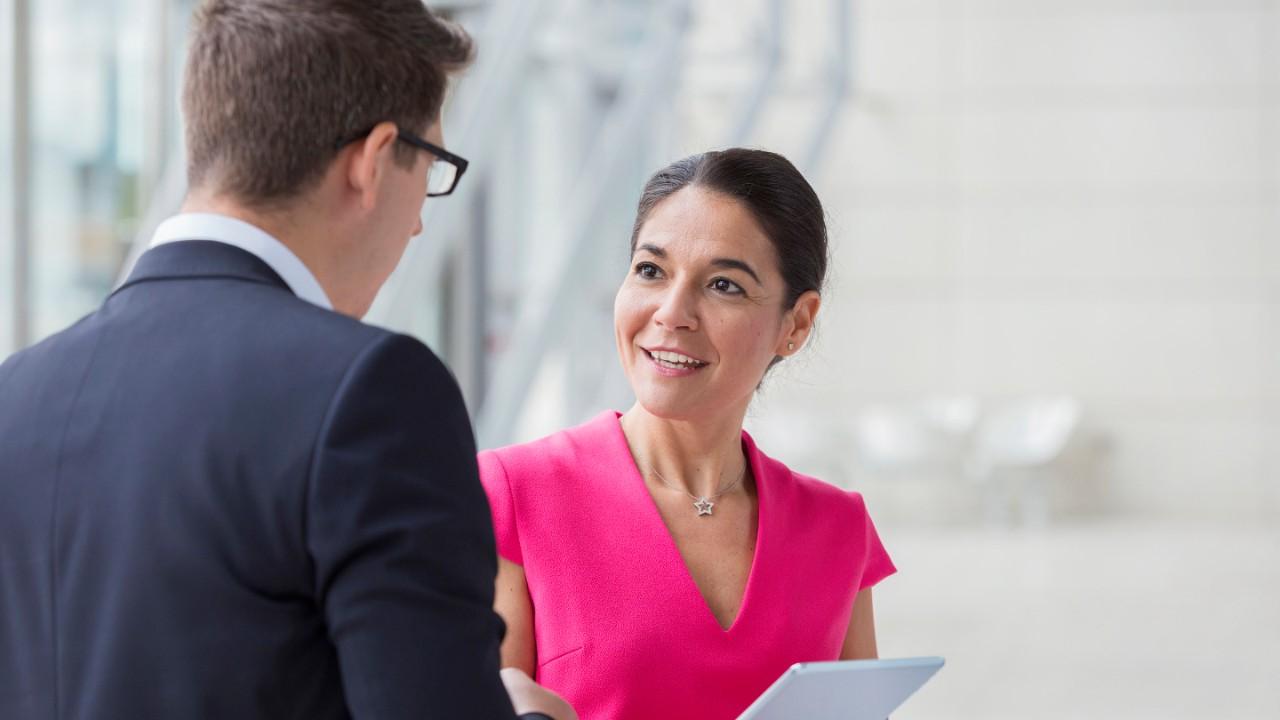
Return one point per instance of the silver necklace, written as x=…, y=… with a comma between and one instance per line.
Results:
x=702, y=503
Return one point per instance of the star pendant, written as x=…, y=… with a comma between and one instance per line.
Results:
x=704, y=506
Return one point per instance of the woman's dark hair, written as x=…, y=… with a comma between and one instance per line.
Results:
x=778, y=196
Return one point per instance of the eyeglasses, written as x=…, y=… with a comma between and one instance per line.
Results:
x=445, y=171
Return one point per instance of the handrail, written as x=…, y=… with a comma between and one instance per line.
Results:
x=753, y=107
x=645, y=81
x=838, y=80
x=471, y=120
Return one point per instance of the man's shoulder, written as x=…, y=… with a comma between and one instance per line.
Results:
x=279, y=325
x=262, y=341
x=357, y=351
x=70, y=341
x=284, y=314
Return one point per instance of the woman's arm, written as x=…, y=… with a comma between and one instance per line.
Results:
x=512, y=603
x=859, y=641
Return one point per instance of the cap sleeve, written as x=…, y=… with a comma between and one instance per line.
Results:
x=493, y=475
x=876, y=563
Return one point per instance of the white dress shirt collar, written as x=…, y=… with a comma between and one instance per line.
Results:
x=253, y=240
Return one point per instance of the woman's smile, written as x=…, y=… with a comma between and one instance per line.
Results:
x=672, y=363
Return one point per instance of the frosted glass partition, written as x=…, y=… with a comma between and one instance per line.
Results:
x=87, y=141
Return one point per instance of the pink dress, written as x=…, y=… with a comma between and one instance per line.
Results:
x=622, y=632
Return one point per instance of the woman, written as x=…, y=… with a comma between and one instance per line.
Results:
x=656, y=564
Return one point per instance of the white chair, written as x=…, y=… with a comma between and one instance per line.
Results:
x=1013, y=450
x=889, y=438
x=927, y=435
x=918, y=450
x=955, y=415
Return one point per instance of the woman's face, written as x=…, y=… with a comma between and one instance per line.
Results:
x=700, y=315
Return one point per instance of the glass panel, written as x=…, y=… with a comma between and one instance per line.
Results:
x=88, y=133
x=6, y=178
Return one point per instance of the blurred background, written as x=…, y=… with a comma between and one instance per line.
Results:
x=1049, y=354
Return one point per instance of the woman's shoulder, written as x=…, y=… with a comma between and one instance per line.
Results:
x=833, y=518
x=817, y=492
x=561, y=454
x=806, y=492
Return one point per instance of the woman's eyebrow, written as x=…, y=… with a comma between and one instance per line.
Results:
x=653, y=250
x=737, y=265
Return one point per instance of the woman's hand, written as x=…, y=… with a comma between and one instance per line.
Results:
x=528, y=696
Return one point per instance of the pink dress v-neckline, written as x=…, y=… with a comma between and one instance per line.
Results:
x=672, y=548
x=621, y=629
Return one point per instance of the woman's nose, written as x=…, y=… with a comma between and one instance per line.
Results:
x=677, y=310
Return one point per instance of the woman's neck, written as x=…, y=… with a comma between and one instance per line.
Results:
x=699, y=457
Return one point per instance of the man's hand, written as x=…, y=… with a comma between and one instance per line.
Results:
x=528, y=696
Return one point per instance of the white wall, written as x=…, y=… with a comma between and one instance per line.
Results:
x=1033, y=196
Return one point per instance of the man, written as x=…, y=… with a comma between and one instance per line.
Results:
x=221, y=495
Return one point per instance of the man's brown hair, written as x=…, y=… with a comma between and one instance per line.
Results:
x=272, y=85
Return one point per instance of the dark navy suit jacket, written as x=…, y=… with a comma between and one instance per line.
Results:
x=220, y=501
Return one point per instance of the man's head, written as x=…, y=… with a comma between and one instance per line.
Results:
x=274, y=87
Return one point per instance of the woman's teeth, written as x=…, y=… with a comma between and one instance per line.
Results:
x=675, y=361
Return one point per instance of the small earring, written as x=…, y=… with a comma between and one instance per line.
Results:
x=791, y=346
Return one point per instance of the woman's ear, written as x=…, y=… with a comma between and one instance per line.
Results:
x=799, y=324
x=368, y=162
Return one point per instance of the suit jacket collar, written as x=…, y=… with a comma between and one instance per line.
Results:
x=192, y=259
x=250, y=238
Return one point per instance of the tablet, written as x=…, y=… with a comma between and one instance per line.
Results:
x=845, y=690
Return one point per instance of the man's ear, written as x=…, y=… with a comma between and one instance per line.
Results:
x=799, y=324
x=369, y=161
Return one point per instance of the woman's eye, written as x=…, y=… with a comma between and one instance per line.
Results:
x=728, y=287
x=648, y=271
